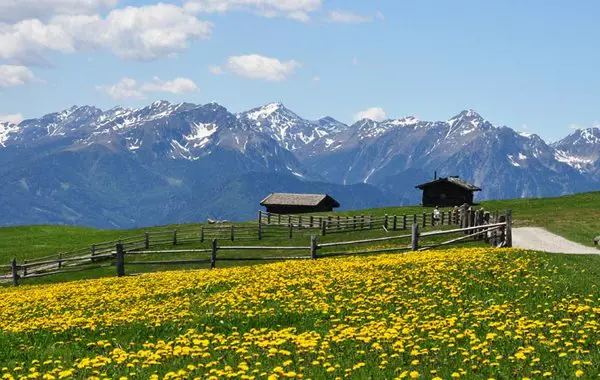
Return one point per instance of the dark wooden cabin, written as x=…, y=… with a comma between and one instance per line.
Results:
x=287, y=203
x=448, y=191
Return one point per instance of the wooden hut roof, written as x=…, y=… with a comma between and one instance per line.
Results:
x=290, y=199
x=452, y=179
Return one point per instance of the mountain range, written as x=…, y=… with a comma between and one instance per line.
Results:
x=171, y=163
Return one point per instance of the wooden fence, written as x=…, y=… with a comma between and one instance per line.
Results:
x=336, y=223
x=496, y=231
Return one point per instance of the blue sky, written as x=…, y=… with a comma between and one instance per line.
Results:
x=528, y=65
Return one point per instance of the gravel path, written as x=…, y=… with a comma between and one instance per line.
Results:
x=540, y=239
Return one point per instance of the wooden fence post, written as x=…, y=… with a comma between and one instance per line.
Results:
x=385, y=221
x=362, y=222
x=15, y=274
x=424, y=219
x=59, y=260
x=508, y=233
x=232, y=232
x=24, y=268
x=291, y=227
x=260, y=231
x=394, y=222
x=213, y=254
x=415, y=218
x=311, y=221
x=443, y=215
x=370, y=222
x=338, y=222
x=323, y=228
x=289, y=220
x=268, y=218
x=486, y=220
x=354, y=222
x=175, y=237
x=278, y=219
x=313, y=247
x=300, y=222
x=404, y=220
x=120, y=260
x=202, y=233
x=432, y=219
x=259, y=225
x=146, y=240
x=414, y=239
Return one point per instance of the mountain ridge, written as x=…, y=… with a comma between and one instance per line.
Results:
x=178, y=154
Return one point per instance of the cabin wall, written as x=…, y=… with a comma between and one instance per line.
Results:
x=446, y=194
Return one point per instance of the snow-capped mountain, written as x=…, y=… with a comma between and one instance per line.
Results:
x=504, y=162
x=290, y=130
x=581, y=150
x=164, y=162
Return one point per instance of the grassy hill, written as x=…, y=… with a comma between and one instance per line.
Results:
x=574, y=216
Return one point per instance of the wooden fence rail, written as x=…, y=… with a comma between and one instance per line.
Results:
x=498, y=233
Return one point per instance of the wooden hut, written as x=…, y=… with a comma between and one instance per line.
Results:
x=448, y=191
x=287, y=203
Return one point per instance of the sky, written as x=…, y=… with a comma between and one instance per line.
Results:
x=530, y=65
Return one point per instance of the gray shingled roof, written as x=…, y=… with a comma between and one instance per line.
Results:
x=289, y=199
x=453, y=179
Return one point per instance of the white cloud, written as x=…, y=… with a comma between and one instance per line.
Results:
x=346, y=17
x=293, y=9
x=355, y=61
x=316, y=78
x=14, y=75
x=17, y=10
x=11, y=119
x=256, y=66
x=215, y=69
x=374, y=113
x=136, y=33
x=175, y=86
x=128, y=88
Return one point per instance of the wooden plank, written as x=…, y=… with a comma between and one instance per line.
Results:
x=170, y=262
x=462, y=238
x=267, y=248
x=446, y=232
x=339, y=243
x=274, y=258
x=62, y=271
x=169, y=251
x=349, y=253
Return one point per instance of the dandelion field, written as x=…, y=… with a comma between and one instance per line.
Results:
x=459, y=313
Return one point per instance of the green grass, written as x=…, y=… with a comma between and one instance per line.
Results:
x=574, y=217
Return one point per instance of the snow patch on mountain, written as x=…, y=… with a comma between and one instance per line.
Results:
x=575, y=162
x=6, y=130
x=201, y=134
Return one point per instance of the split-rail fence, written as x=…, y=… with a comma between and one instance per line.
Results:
x=493, y=228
